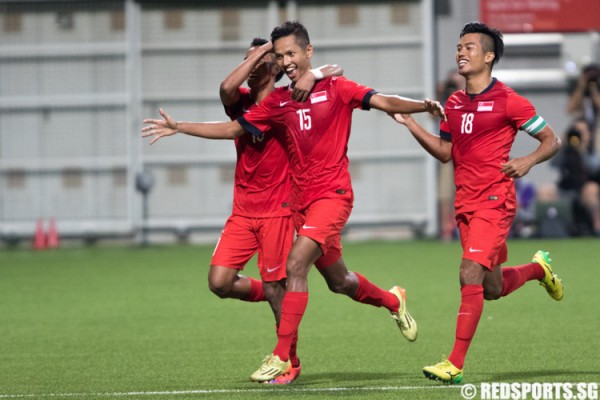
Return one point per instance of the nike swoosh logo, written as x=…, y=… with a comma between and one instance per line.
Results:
x=308, y=227
x=472, y=250
x=458, y=106
x=283, y=103
x=272, y=269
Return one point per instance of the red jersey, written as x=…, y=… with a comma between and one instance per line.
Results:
x=262, y=183
x=482, y=129
x=318, y=131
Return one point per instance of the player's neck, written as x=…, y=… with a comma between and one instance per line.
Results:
x=260, y=94
x=478, y=83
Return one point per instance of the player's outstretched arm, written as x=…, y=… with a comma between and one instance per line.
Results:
x=392, y=104
x=303, y=87
x=167, y=126
x=549, y=146
x=438, y=148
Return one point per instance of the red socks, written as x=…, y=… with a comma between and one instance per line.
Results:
x=256, y=291
x=293, y=356
x=292, y=310
x=294, y=305
x=293, y=348
x=515, y=277
x=469, y=313
x=368, y=293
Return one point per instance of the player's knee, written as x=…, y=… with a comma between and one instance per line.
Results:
x=295, y=267
x=220, y=287
x=274, y=291
x=492, y=294
x=342, y=285
x=335, y=287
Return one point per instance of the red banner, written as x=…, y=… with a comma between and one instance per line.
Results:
x=524, y=16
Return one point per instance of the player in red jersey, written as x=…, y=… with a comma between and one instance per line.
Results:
x=482, y=122
x=261, y=216
x=318, y=131
x=261, y=192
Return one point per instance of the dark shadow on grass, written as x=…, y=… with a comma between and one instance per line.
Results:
x=566, y=375
x=346, y=378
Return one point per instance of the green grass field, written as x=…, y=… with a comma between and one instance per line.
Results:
x=139, y=323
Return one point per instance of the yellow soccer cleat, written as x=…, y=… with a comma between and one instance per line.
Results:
x=550, y=282
x=271, y=368
x=406, y=323
x=444, y=371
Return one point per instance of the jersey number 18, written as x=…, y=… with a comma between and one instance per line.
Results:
x=467, y=123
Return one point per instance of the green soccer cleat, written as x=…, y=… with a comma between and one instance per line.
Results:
x=550, y=282
x=444, y=372
x=270, y=369
x=406, y=323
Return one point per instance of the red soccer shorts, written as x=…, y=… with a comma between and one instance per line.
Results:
x=323, y=222
x=242, y=237
x=483, y=235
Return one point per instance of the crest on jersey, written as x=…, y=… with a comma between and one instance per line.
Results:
x=318, y=97
x=485, y=106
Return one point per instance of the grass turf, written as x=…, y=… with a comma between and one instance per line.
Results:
x=116, y=322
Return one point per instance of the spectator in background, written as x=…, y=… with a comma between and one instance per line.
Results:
x=584, y=101
x=579, y=180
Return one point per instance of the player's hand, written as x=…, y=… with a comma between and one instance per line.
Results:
x=159, y=127
x=517, y=167
x=435, y=108
x=400, y=118
x=303, y=87
x=268, y=46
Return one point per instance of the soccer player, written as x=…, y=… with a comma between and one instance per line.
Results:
x=321, y=197
x=482, y=122
x=261, y=217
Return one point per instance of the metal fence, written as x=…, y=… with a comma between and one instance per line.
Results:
x=76, y=78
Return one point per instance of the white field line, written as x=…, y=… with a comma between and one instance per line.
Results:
x=225, y=391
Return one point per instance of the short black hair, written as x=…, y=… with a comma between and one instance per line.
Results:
x=289, y=28
x=495, y=36
x=258, y=41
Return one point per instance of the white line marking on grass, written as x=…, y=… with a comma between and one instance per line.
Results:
x=225, y=391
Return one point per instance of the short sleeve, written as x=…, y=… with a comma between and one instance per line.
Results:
x=523, y=115
x=352, y=93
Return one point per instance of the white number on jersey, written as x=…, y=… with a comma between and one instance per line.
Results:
x=304, y=119
x=467, y=123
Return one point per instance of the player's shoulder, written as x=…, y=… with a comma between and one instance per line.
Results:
x=457, y=98
x=511, y=95
x=245, y=97
x=280, y=93
x=502, y=89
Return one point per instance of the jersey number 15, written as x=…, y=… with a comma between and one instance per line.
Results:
x=304, y=119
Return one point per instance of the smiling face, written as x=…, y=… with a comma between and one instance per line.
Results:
x=473, y=54
x=291, y=57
